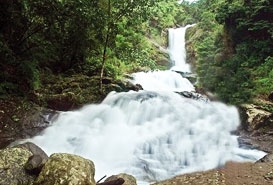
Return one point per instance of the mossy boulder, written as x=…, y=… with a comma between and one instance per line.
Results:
x=64, y=169
x=12, y=162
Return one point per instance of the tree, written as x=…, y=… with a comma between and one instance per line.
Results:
x=116, y=11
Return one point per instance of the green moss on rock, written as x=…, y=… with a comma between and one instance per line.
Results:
x=12, y=172
x=67, y=169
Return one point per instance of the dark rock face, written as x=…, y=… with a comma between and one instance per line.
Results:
x=62, y=102
x=18, y=122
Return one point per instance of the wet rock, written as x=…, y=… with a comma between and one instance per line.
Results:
x=12, y=162
x=129, y=179
x=190, y=76
x=266, y=159
x=63, y=169
x=193, y=95
x=30, y=120
x=129, y=86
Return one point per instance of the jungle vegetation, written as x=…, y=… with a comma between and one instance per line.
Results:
x=232, y=42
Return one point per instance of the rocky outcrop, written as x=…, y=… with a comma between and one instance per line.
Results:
x=63, y=169
x=21, y=119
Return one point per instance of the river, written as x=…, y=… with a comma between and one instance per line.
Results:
x=152, y=134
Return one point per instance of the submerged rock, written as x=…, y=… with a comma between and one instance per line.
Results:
x=63, y=169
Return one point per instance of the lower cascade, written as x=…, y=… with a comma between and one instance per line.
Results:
x=152, y=134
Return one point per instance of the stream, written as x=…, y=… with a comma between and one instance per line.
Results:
x=152, y=134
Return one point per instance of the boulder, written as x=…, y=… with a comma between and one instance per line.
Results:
x=12, y=162
x=128, y=179
x=253, y=117
x=64, y=169
x=35, y=162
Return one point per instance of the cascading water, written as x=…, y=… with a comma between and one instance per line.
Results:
x=153, y=134
x=177, y=49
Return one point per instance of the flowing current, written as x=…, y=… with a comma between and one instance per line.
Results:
x=152, y=134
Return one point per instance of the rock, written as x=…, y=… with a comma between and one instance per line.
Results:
x=266, y=159
x=62, y=102
x=32, y=119
x=253, y=117
x=12, y=162
x=35, y=162
x=193, y=95
x=129, y=179
x=64, y=169
x=130, y=86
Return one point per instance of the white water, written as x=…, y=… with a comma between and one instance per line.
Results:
x=177, y=49
x=151, y=135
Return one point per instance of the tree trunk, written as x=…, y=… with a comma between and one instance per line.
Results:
x=104, y=57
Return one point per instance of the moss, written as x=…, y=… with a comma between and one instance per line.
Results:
x=12, y=161
x=62, y=169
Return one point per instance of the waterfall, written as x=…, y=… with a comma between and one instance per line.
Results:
x=177, y=49
x=153, y=134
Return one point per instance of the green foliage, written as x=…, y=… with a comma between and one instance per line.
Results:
x=263, y=77
x=66, y=37
x=234, y=54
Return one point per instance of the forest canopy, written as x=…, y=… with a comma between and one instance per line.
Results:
x=231, y=44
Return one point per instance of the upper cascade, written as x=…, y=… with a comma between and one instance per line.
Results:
x=177, y=49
